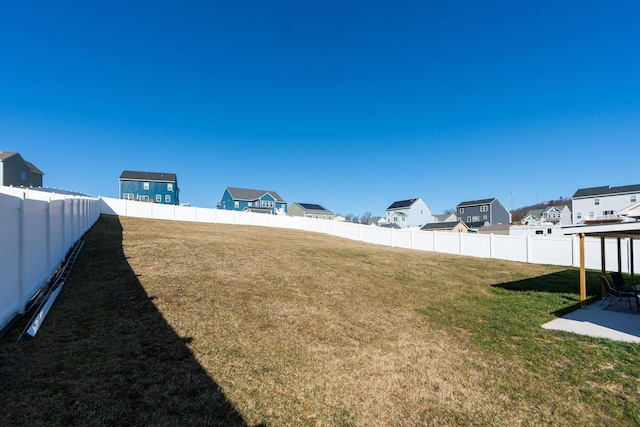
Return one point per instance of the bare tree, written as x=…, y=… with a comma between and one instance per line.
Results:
x=364, y=219
x=348, y=218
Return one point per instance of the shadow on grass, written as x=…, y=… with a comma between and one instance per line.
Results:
x=563, y=282
x=105, y=354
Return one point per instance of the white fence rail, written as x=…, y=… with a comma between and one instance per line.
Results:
x=532, y=249
x=37, y=230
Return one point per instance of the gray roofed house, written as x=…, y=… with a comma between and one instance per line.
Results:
x=16, y=171
x=477, y=213
x=153, y=187
x=309, y=210
x=601, y=204
x=450, y=226
x=246, y=199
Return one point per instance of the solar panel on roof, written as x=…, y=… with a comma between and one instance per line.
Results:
x=312, y=206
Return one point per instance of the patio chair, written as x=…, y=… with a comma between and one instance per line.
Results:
x=614, y=293
x=621, y=285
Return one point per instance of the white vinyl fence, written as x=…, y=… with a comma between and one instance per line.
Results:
x=532, y=249
x=37, y=229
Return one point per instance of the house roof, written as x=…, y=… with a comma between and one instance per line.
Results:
x=606, y=191
x=249, y=194
x=6, y=154
x=33, y=168
x=312, y=207
x=536, y=213
x=402, y=204
x=148, y=176
x=442, y=225
x=476, y=202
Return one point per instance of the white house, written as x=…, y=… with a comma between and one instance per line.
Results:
x=409, y=213
x=550, y=215
x=602, y=203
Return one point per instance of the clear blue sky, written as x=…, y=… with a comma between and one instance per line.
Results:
x=352, y=105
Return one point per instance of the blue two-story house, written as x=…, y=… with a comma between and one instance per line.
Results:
x=478, y=213
x=244, y=199
x=155, y=187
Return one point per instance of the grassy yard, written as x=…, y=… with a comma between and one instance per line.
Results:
x=169, y=323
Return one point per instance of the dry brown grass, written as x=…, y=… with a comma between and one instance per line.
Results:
x=295, y=328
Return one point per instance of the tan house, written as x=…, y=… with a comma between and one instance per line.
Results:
x=309, y=210
x=451, y=227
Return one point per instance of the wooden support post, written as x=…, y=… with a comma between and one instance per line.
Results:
x=633, y=274
x=619, y=256
x=583, y=274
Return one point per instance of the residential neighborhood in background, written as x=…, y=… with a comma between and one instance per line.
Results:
x=17, y=172
x=154, y=187
x=604, y=204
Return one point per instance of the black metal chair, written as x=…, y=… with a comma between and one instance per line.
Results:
x=614, y=293
x=621, y=285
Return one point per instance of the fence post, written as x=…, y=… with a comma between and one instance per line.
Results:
x=528, y=248
x=460, y=243
x=49, y=237
x=21, y=254
x=491, y=244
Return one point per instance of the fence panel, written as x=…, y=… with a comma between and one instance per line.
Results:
x=448, y=243
x=10, y=248
x=551, y=250
x=35, y=246
x=512, y=248
x=476, y=245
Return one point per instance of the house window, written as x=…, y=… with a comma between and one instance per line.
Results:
x=633, y=198
x=167, y=198
x=592, y=214
x=128, y=196
x=236, y=204
x=475, y=218
x=266, y=203
x=484, y=217
x=145, y=185
x=468, y=219
x=578, y=215
x=597, y=201
x=484, y=208
x=143, y=198
x=461, y=210
x=170, y=186
x=158, y=198
x=23, y=175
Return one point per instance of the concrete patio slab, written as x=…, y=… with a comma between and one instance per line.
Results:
x=616, y=322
